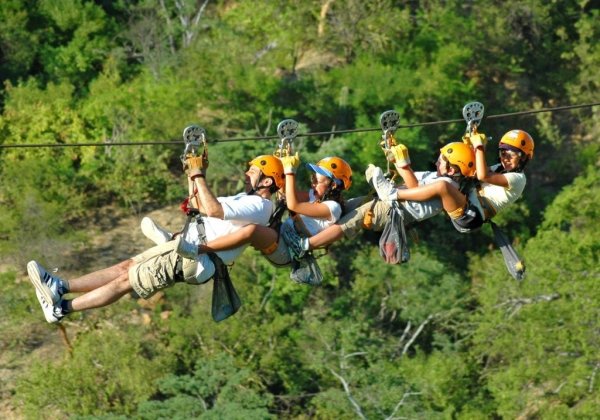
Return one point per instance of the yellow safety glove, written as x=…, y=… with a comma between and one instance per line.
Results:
x=290, y=163
x=196, y=166
x=398, y=155
x=478, y=140
x=467, y=139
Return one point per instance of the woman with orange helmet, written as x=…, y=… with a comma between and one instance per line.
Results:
x=498, y=186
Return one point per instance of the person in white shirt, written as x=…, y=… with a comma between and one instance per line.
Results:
x=162, y=266
x=311, y=211
x=452, y=169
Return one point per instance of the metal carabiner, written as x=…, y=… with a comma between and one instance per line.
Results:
x=287, y=131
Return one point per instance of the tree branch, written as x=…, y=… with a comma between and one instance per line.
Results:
x=405, y=333
x=357, y=408
x=515, y=304
x=169, y=27
x=416, y=334
x=401, y=403
x=323, y=17
x=593, y=377
x=268, y=294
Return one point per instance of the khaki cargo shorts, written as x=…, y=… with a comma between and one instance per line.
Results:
x=352, y=222
x=156, y=269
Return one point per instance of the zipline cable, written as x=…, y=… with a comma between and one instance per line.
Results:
x=315, y=134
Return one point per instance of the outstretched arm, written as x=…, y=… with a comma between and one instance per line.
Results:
x=408, y=176
x=398, y=155
x=205, y=199
x=318, y=210
x=260, y=237
x=483, y=172
x=478, y=141
x=451, y=197
x=293, y=202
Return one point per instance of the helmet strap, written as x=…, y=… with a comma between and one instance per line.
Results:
x=256, y=188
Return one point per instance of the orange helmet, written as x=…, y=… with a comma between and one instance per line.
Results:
x=518, y=139
x=270, y=166
x=461, y=155
x=335, y=168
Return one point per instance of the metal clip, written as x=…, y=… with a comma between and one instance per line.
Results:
x=473, y=114
x=287, y=131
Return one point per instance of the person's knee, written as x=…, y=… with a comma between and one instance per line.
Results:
x=124, y=266
x=122, y=282
x=442, y=188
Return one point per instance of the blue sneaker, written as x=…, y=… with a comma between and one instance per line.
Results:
x=52, y=312
x=50, y=287
x=297, y=245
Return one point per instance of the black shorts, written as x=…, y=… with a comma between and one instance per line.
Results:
x=469, y=221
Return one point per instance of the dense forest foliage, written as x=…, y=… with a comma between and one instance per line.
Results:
x=450, y=334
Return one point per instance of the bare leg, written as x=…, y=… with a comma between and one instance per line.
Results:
x=98, y=278
x=326, y=237
x=452, y=199
x=104, y=295
x=260, y=237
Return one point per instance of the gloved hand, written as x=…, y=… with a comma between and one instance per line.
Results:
x=196, y=165
x=290, y=163
x=478, y=139
x=398, y=155
x=475, y=140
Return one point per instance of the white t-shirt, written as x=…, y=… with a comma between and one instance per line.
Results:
x=498, y=196
x=314, y=225
x=239, y=210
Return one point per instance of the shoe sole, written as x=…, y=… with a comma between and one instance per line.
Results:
x=34, y=277
x=48, y=320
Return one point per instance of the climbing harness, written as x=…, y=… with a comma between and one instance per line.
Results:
x=305, y=269
x=473, y=114
x=393, y=245
x=225, y=300
x=389, y=122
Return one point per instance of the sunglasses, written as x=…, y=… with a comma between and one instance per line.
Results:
x=510, y=154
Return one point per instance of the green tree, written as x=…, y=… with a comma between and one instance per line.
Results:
x=536, y=340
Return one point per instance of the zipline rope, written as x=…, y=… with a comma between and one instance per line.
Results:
x=315, y=134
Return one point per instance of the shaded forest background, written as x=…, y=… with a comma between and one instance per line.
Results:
x=448, y=335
